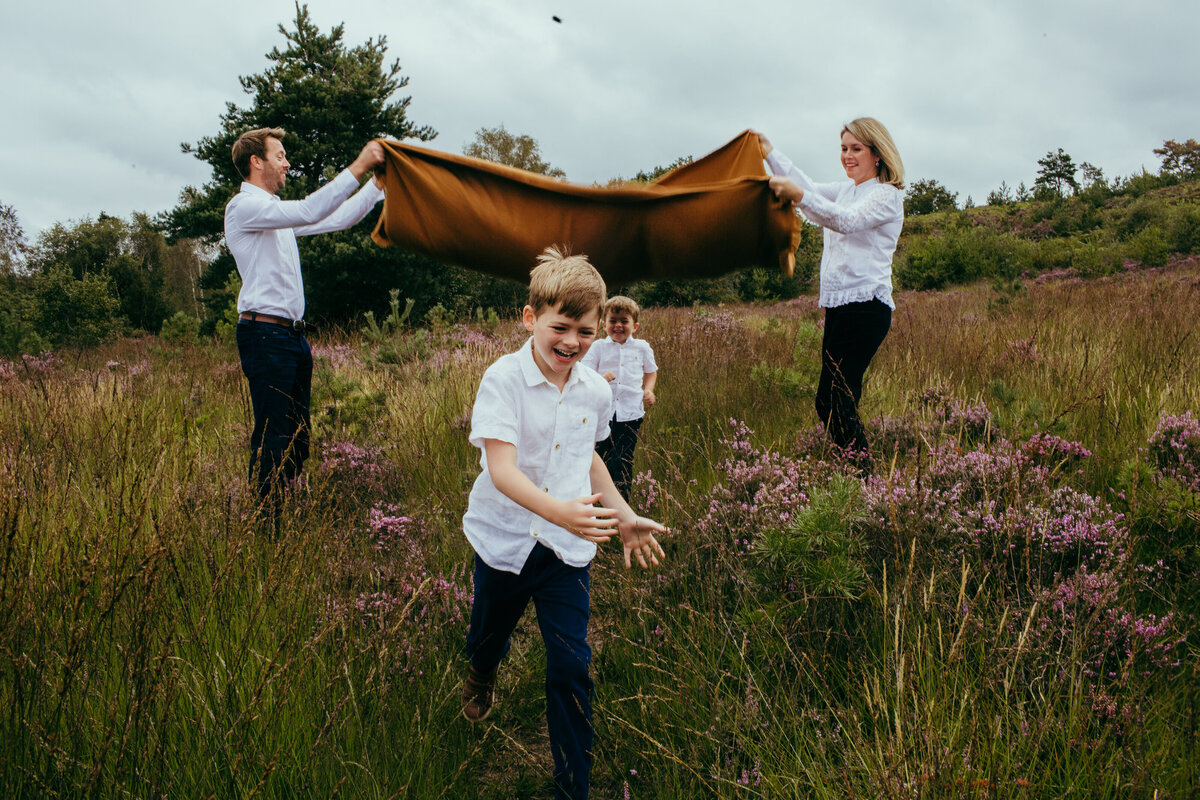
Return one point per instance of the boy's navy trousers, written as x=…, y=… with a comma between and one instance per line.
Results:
x=560, y=595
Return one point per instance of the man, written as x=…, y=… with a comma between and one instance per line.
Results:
x=260, y=231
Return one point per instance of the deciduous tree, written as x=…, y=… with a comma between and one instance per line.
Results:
x=131, y=256
x=513, y=150
x=927, y=197
x=1180, y=159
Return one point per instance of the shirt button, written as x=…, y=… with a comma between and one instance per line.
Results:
x=585, y=419
x=535, y=534
x=557, y=446
x=545, y=488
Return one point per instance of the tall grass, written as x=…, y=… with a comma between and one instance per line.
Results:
x=1004, y=609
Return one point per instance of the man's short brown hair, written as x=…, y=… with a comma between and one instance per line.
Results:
x=569, y=282
x=253, y=143
x=622, y=305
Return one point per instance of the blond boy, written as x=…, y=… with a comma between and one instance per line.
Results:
x=531, y=516
x=629, y=367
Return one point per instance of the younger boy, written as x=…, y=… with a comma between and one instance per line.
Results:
x=530, y=516
x=629, y=367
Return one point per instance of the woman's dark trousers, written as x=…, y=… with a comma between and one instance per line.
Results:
x=853, y=333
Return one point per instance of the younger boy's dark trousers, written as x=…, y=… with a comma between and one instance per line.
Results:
x=561, y=597
x=617, y=452
x=853, y=332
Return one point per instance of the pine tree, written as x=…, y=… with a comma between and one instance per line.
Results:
x=331, y=99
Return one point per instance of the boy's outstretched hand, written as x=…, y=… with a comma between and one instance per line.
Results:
x=588, y=521
x=637, y=537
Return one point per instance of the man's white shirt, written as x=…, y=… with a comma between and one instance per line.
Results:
x=261, y=230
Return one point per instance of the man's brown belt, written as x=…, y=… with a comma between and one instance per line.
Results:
x=254, y=316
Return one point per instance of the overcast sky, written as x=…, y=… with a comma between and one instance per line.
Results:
x=96, y=98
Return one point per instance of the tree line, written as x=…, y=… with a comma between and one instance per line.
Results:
x=86, y=282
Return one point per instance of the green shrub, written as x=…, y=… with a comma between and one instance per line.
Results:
x=1149, y=247
x=1183, y=233
x=77, y=312
x=438, y=317
x=392, y=323
x=958, y=255
x=18, y=313
x=1142, y=213
x=403, y=349
x=487, y=319
x=181, y=327
x=818, y=554
x=226, y=325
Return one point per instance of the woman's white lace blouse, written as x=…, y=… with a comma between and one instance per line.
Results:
x=862, y=224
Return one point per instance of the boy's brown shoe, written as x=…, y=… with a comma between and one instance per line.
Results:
x=479, y=692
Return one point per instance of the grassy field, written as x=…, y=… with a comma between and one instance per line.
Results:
x=1006, y=608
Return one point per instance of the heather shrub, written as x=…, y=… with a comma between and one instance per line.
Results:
x=350, y=471
x=1118, y=651
x=1001, y=505
x=339, y=357
x=386, y=588
x=757, y=488
x=1162, y=494
x=1175, y=449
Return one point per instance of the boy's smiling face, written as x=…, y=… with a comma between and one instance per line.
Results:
x=559, y=341
x=620, y=326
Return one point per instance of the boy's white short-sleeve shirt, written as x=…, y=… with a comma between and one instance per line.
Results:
x=629, y=362
x=555, y=434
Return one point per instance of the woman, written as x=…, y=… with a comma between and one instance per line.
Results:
x=862, y=219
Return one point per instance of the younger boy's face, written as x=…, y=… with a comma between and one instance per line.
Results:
x=559, y=341
x=620, y=326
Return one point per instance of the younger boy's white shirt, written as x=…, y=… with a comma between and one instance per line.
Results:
x=630, y=362
x=555, y=434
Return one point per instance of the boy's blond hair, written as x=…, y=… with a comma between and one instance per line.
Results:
x=622, y=305
x=567, y=281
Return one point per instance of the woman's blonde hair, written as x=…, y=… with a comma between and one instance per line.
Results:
x=874, y=135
